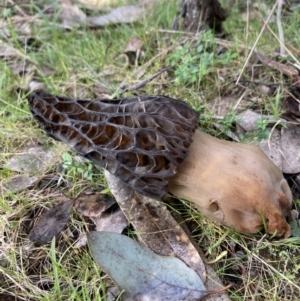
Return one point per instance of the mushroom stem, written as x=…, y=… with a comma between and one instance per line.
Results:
x=234, y=184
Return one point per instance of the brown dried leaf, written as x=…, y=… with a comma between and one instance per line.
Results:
x=124, y=14
x=18, y=68
x=158, y=229
x=20, y=25
x=7, y=50
x=17, y=183
x=93, y=204
x=248, y=119
x=111, y=222
x=34, y=160
x=271, y=147
x=71, y=15
x=112, y=293
x=52, y=222
x=134, y=51
x=134, y=45
x=104, y=88
x=97, y=4
x=287, y=70
x=290, y=147
x=221, y=106
x=292, y=107
x=81, y=241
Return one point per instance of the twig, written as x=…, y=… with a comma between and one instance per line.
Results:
x=286, y=46
x=245, y=81
x=258, y=38
x=288, y=71
x=280, y=30
x=144, y=82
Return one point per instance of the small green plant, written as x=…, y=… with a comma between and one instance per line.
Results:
x=74, y=168
x=261, y=129
x=228, y=121
x=192, y=62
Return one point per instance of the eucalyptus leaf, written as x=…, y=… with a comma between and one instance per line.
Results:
x=142, y=274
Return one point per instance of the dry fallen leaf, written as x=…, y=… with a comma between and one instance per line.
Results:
x=155, y=226
x=17, y=183
x=52, y=222
x=81, y=241
x=97, y=4
x=108, y=222
x=221, y=106
x=7, y=50
x=93, y=204
x=290, y=147
x=142, y=274
x=112, y=293
x=271, y=147
x=20, y=24
x=124, y=14
x=134, y=51
x=71, y=15
x=248, y=119
x=111, y=221
x=134, y=45
x=34, y=160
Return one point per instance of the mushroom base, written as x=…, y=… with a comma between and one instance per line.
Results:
x=234, y=184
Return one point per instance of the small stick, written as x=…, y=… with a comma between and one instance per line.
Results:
x=143, y=82
x=256, y=42
x=280, y=30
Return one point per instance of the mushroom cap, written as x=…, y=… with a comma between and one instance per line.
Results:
x=142, y=140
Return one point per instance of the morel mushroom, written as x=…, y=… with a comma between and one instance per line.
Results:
x=153, y=145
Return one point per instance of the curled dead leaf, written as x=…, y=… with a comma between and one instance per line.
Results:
x=290, y=147
x=124, y=14
x=35, y=160
x=71, y=15
x=111, y=221
x=271, y=147
x=93, y=204
x=248, y=119
x=52, y=222
x=17, y=183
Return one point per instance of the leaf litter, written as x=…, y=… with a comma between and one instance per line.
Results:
x=158, y=230
x=154, y=225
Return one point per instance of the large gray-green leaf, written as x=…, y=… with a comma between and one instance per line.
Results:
x=142, y=274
